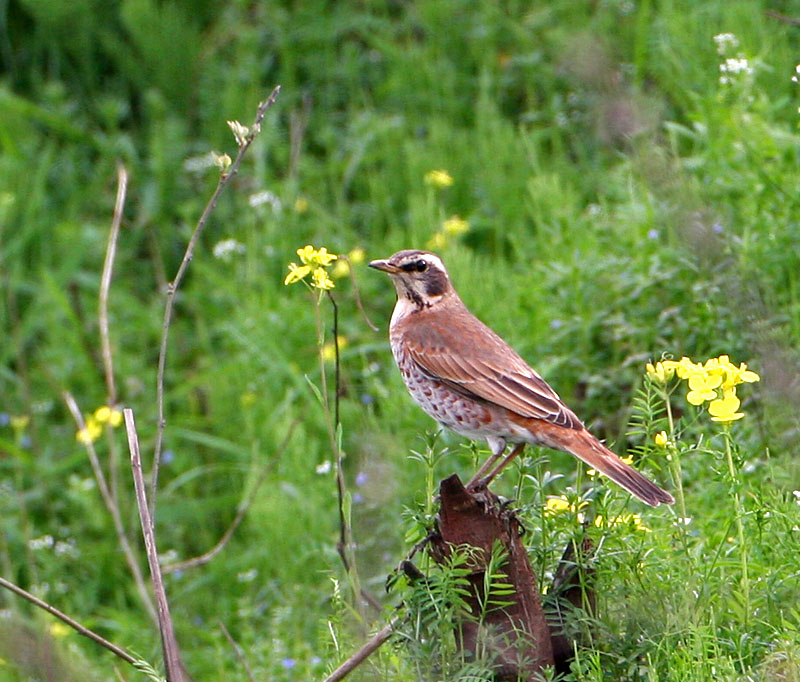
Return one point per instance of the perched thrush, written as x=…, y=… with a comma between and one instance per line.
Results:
x=471, y=381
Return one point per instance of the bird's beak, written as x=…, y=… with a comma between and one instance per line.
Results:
x=385, y=265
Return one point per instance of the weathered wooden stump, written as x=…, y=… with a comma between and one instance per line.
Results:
x=518, y=636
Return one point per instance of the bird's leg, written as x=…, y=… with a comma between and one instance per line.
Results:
x=497, y=445
x=519, y=447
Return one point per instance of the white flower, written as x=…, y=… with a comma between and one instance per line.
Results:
x=226, y=248
x=324, y=468
x=724, y=41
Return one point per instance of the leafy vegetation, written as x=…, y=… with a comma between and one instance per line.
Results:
x=616, y=198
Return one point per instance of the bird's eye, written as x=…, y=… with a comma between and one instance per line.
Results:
x=415, y=266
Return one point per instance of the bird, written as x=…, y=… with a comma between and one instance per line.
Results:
x=467, y=378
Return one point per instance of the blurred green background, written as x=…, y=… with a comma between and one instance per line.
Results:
x=625, y=197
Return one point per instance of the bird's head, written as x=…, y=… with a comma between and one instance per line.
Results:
x=418, y=276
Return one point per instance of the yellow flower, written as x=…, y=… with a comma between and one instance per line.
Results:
x=591, y=473
x=314, y=261
x=661, y=439
x=724, y=409
x=702, y=388
x=558, y=505
x=660, y=372
x=438, y=179
x=684, y=368
x=455, y=226
x=89, y=433
x=300, y=205
x=329, y=350
x=323, y=258
x=437, y=242
x=306, y=255
x=108, y=414
x=296, y=273
x=320, y=280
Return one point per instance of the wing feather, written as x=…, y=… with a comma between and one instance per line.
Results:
x=462, y=352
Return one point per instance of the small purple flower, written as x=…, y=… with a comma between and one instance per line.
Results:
x=361, y=478
x=316, y=660
x=717, y=227
x=5, y=419
x=367, y=399
x=652, y=234
x=358, y=498
x=556, y=324
x=167, y=457
x=288, y=663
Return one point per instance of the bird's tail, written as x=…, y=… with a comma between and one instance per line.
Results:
x=585, y=446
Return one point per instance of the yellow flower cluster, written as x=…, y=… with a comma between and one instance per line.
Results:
x=314, y=261
x=559, y=505
x=94, y=423
x=714, y=382
x=438, y=179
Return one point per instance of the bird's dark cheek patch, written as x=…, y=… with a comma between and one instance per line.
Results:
x=436, y=283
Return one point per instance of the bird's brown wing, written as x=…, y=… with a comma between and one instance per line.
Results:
x=462, y=352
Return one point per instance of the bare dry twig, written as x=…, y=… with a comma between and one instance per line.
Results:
x=113, y=509
x=172, y=659
x=105, y=282
x=244, y=507
x=102, y=314
x=369, y=648
x=74, y=624
x=172, y=287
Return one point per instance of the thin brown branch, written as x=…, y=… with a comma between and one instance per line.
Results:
x=102, y=314
x=105, y=282
x=113, y=509
x=172, y=658
x=75, y=625
x=237, y=650
x=172, y=288
x=369, y=648
x=244, y=507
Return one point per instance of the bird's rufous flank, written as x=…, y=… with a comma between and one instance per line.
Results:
x=471, y=381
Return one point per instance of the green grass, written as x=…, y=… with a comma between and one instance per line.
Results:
x=622, y=202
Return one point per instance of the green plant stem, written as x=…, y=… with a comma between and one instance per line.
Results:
x=675, y=460
x=739, y=511
x=346, y=542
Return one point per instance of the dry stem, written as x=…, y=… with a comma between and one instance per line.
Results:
x=172, y=659
x=102, y=314
x=75, y=625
